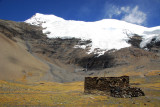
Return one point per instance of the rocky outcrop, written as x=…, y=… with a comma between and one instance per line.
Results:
x=91, y=62
x=153, y=45
x=135, y=40
x=20, y=29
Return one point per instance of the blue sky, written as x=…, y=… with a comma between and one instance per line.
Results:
x=142, y=12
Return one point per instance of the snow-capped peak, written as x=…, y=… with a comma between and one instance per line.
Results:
x=39, y=18
x=105, y=34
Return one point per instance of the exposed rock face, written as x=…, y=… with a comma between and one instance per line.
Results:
x=93, y=62
x=154, y=45
x=22, y=30
x=61, y=49
x=135, y=40
x=115, y=86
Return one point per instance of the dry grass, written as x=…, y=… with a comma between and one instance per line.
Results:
x=153, y=72
x=71, y=94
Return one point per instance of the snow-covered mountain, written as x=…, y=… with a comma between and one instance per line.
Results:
x=105, y=34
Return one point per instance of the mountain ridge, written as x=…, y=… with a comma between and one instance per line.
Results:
x=68, y=63
x=105, y=34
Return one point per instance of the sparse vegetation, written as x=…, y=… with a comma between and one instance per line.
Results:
x=72, y=94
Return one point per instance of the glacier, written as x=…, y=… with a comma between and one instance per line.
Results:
x=105, y=34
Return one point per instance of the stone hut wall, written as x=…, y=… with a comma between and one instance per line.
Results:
x=105, y=83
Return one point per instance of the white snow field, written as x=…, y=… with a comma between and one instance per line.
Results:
x=105, y=34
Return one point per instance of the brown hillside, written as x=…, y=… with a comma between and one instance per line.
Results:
x=17, y=63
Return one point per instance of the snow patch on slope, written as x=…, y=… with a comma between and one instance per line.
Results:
x=148, y=39
x=105, y=34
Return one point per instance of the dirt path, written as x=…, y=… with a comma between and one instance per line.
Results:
x=55, y=73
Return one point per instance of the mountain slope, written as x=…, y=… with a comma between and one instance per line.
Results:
x=17, y=64
x=25, y=62
x=66, y=63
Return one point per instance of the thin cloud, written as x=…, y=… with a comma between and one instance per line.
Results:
x=111, y=11
x=134, y=15
x=125, y=9
x=128, y=14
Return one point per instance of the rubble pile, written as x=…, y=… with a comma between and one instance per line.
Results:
x=126, y=92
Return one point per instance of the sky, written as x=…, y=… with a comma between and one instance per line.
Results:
x=141, y=12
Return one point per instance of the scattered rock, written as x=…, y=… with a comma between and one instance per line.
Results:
x=126, y=92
